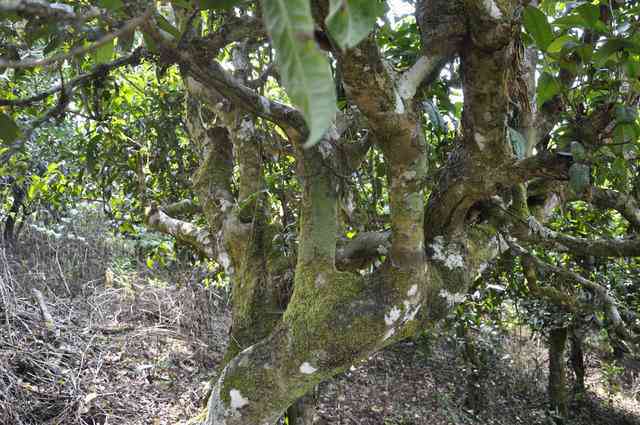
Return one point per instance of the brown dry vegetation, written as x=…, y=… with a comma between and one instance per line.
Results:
x=133, y=346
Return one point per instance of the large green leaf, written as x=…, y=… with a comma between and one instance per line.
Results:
x=548, y=87
x=557, y=44
x=104, y=53
x=9, y=131
x=579, y=177
x=350, y=21
x=217, y=4
x=537, y=25
x=167, y=26
x=303, y=67
x=110, y=4
x=578, y=152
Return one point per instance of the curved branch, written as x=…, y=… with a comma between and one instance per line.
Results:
x=624, y=247
x=212, y=76
x=624, y=203
x=184, y=207
x=608, y=303
x=363, y=250
x=194, y=236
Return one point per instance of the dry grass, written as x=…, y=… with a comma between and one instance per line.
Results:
x=134, y=351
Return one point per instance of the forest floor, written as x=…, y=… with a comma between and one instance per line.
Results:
x=137, y=347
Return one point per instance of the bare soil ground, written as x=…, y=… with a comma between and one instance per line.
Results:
x=139, y=348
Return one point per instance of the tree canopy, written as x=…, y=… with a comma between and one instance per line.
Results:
x=355, y=168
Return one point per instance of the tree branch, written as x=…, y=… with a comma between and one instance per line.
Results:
x=608, y=303
x=96, y=72
x=624, y=247
x=425, y=68
x=41, y=8
x=128, y=27
x=363, y=250
x=184, y=207
x=624, y=203
x=196, y=237
x=212, y=76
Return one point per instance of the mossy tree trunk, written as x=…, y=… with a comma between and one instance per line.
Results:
x=577, y=362
x=558, y=396
x=342, y=309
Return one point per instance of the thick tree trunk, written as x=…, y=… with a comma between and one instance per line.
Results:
x=577, y=362
x=557, y=373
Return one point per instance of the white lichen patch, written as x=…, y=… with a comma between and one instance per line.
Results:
x=480, y=140
x=320, y=280
x=411, y=313
x=451, y=258
x=492, y=8
x=224, y=260
x=389, y=334
x=307, y=369
x=408, y=175
x=246, y=130
x=399, y=103
x=452, y=299
x=64, y=7
x=237, y=400
x=382, y=250
x=412, y=291
x=326, y=148
x=393, y=316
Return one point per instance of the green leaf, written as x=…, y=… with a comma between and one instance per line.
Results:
x=185, y=4
x=579, y=177
x=590, y=13
x=537, y=25
x=304, y=68
x=217, y=4
x=110, y=4
x=518, y=142
x=632, y=67
x=548, y=87
x=578, y=152
x=104, y=53
x=149, y=42
x=557, y=44
x=9, y=130
x=350, y=21
x=624, y=133
x=626, y=114
x=605, y=51
x=125, y=42
x=571, y=21
x=167, y=27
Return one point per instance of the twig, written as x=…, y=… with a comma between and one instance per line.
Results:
x=46, y=315
x=97, y=71
x=46, y=10
x=128, y=27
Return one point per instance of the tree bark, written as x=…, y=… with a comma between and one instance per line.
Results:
x=557, y=373
x=577, y=362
